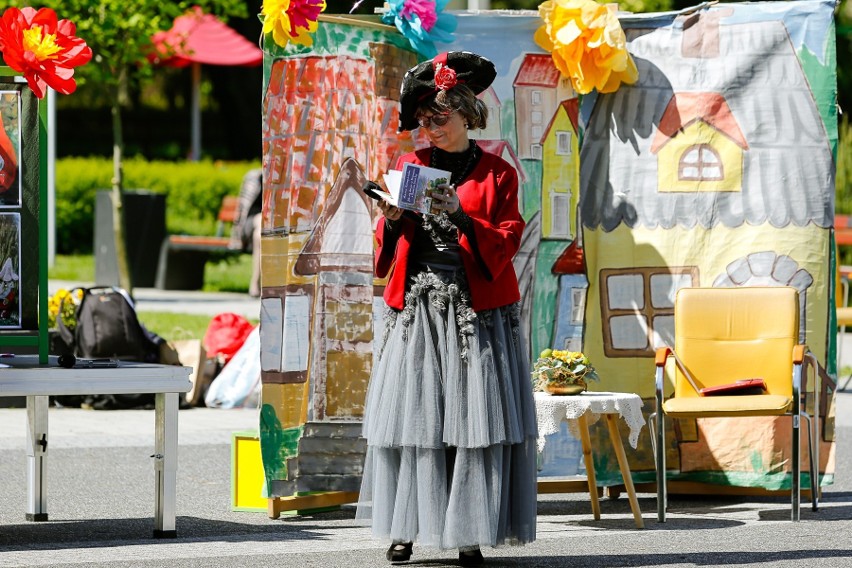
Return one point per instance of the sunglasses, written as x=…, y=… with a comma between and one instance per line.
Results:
x=436, y=119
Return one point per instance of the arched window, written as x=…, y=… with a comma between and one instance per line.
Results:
x=700, y=163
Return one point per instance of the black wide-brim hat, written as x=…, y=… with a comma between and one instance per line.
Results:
x=472, y=70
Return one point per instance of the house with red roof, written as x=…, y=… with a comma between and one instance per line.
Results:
x=539, y=88
x=699, y=145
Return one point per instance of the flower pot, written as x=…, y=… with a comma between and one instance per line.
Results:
x=565, y=389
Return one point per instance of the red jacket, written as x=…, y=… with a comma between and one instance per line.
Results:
x=489, y=195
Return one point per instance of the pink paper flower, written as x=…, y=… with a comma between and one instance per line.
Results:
x=445, y=77
x=423, y=9
x=45, y=50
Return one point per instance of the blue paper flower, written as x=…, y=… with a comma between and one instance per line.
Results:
x=422, y=22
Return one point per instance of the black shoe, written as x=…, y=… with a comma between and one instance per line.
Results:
x=399, y=551
x=471, y=558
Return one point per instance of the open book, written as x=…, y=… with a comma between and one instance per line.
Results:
x=410, y=188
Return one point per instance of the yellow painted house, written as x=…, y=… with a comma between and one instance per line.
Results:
x=560, y=175
x=715, y=170
x=699, y=145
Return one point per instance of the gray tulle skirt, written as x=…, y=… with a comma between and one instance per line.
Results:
x=450, y=424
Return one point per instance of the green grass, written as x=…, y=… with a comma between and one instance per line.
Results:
x=175, y=327
x=79, y=268
x=227, y=274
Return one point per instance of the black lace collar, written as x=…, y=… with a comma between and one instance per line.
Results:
x=460, y=164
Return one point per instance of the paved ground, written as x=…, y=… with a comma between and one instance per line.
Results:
x=100, y=480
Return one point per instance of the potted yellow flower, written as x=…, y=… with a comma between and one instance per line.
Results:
x=562, y=372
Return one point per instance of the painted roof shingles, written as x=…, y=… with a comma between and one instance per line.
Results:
x=768, y=105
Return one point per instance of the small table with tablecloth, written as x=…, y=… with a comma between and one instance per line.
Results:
x=586, y=408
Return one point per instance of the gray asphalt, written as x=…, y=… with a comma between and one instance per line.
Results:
x=101, y=504
x=100, y=480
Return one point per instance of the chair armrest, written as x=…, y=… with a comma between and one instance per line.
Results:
x=799, y=353
x=803, y=355
x=659, y=377
x=804, y=358
x=686, y=373
x=661, y=356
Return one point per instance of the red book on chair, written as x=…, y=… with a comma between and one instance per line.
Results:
x=742, y=386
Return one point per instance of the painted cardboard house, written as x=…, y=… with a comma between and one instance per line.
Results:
x=560, y=183
x=539, y=90
x=317, y=316
x=573, y=288
x=715, y=169
x=493, y=129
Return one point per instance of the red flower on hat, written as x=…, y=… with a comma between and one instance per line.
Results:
x=445, y=77
x=45, y=50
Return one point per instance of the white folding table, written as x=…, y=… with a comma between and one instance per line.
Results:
x=24, y=376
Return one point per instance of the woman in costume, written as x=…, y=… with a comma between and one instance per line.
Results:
x=450, y=417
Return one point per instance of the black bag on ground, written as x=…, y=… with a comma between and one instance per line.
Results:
x=107, y=327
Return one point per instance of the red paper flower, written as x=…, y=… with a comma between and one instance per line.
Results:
x=445, y=77
x=45, y=50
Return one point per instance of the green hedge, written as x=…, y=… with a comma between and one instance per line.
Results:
x=193, y=190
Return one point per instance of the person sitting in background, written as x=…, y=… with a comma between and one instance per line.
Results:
x=245, y=234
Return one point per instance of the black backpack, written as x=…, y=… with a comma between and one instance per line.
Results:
x=107, y=326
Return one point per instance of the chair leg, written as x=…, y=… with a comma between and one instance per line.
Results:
x=660, y=455
x=795, y=493
x=652, y=427
x=813, y=454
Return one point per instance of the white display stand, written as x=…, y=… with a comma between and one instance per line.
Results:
x=24, y=376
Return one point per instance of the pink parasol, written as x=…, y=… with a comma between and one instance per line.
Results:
x=197, y=38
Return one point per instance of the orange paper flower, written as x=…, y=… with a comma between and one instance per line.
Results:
x=587, y=44
x=45, y=50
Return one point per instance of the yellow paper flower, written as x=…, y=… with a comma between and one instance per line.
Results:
x=587, y=44
x=291, y=20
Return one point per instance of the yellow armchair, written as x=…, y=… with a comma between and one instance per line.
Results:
x=727, y=334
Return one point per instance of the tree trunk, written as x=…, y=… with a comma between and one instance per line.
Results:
x=118, y=202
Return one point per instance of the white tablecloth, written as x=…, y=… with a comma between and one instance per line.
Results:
x=551, y=410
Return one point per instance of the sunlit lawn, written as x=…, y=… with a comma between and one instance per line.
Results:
x=174, y=326
x=230, y=274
